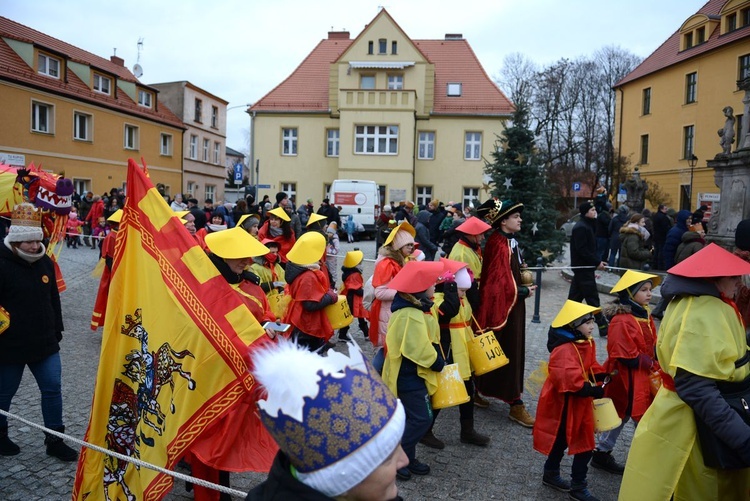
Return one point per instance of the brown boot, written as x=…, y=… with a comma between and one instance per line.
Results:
x=431, y=441
x=470, y=436
x=480, y=401
x=520, y=415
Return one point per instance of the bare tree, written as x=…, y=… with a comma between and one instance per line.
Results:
x=517, y=77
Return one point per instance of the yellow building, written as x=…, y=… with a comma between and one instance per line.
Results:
x=80, y=114
x=418, y=117
x=671, y=106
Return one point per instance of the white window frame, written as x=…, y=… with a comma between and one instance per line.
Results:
x=165, y=145
x=376, y=140
x=217, y=153
x=45, y=68
x=198, y=111
x=42, y=117
x=82, y=126
x=144, y=98
x=333, y=142
x=395, y=82
x=370, y=79
x=102, y=84
x=193, y=154
x=215, y=117
x=473, y=145
x=290, y=189
x=454, y=89
x=471, y=194
x=210, y=192
x=130, y=137
x=424, y=195
x=289, y=137
x=206, y=149
x=81, y=186
x=426, y=145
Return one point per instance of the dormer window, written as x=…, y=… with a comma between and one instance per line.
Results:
x=454, y=90
x=733, y=17
x=688, y=40
x=48, y=65
x=144, y=98
x=102, y=84
x=700, y=35
x=731, y=22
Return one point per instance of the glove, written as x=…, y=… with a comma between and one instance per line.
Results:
x=447, y=276
x=645, y=362
x=597, y=391
x=332, y=296
x=590, y=390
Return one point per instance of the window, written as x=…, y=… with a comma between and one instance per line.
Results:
x=426, y=146
x=471, y=195
x=454, y=90
x=688, y=135
x=82, y=126
x=102, y=84
x=395, y=82
x=166, y=145
x=210, y=191
x=376, y=139
x=198, y=110
x=48, y=65
x=367, y=82
x=382, y=46
x=700, y=35
x=289, y=141
x=745, y=17
x=131, y=137
x=424, y=195
x=42, y=117
x=691, y=87
x=744, y=67
x=647, y=101
x=206, y=146
x=290, y=189
x=217, y=152
x=688, y=40
x=394, y=47
x=370, y=47
x=81, y=186
x=144, y=98
x=732, y=22
x=332, y=142
x=644, y=149
x=194, y=147
x=473, y=146
x=214, y=117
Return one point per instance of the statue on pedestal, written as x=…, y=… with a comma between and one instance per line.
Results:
x=727, y=133
x=636, y=191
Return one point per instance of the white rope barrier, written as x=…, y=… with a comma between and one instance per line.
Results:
x=180, y=476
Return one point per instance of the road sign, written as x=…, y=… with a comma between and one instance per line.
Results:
x=238, y=173
x=264, y=186
x=622, y=195
x=576, y=187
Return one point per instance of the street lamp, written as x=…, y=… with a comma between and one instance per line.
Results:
x=692, y=161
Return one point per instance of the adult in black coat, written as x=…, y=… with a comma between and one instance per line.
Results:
x=438, y=214
x=584, y=260
x=674, y=238
x=603, y=218
x=662, y=224
x=615, y=224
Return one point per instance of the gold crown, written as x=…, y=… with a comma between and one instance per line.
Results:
x=131, y=322
x=26, y=215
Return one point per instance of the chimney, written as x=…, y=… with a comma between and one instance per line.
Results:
x=338, y=35
x=117, y=60
x=454, y=36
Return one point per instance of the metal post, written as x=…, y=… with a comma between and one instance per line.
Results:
x=537, y=299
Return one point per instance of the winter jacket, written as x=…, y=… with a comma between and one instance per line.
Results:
x=283, y=485
x=691, y=243
x=423, y=235
x=603, y=219
x=662, y=225
x=633, y=254
x=583, y=244
x=674, y=238
x=617, y=222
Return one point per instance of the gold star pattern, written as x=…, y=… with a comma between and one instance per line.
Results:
x=546, y=254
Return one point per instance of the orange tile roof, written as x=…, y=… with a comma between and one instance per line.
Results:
x=669, y=53
x=15, y=69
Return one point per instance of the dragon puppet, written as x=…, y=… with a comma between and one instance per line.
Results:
x=50, y=193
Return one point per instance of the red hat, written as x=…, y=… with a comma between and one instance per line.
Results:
x=452, y=265
x=416, y=276
x=709, y=262
x=473, y=226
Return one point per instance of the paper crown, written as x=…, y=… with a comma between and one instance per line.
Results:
x=710, y=262
x=353, y=258
x=308, y=249
x=333, y=416
x=473, y=226
x=280, y=213
x=25, y=224
x=235, y=243
x=632, y=277
x=493, y=210
x=572, y=311
x=116, y=217
x=314, y=218
x=417, y=276
x=402, y=226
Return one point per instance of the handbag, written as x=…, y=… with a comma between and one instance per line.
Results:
x=716, y=454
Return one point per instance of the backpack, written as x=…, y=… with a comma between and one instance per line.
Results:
x=368, y=294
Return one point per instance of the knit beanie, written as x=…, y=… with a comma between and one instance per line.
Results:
x=25, y=224
x=742, y=235
x=402, y=238
x=585, y=207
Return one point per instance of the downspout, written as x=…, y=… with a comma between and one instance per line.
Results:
x=414, y=161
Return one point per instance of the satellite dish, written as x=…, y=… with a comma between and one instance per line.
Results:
x=137, y=70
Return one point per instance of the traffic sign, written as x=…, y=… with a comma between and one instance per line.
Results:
x=238, y=173
x=576, y=186
x=264, y=186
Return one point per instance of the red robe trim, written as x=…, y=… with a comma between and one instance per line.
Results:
x=354, y=282
x=498, y=293
x=384, y=272
x=310, y=285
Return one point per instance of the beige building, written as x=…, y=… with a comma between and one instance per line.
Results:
x=82, y=115
x=204, y=143
x=671, y=106
x=418, y=117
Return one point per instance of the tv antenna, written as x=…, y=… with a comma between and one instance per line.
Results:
x=137, y=68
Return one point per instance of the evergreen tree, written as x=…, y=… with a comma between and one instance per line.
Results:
x=518, y=174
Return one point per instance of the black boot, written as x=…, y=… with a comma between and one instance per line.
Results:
x=365, y=330
x=605, y=461
x=57, y=448
x=470, y=436
x=552, y=478
x=579, y=492
x=7, y=446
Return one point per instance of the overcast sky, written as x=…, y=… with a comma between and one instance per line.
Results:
x=239, y=50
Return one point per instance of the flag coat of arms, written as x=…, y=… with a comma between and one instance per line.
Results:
x=174, y=357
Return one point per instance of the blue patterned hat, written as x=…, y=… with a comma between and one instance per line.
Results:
x=333, y=416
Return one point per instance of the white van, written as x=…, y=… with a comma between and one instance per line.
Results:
x=357, y=197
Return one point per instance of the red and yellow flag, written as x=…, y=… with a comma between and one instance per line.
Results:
x=174, y=352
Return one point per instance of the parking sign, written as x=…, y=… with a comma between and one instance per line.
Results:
x=576, y=186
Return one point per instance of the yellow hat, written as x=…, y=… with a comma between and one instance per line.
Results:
x=235, y=243
x=308, y=249
x=314, y=218
x=245, y=216
x=116, y=217
x=572, y=311
x=403, y=226
x=280, y=213
x=353, y=258
x=181, y=213
x=632, y=277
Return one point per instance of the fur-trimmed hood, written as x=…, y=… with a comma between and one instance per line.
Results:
x=615, y=308
x=388, y=251
x=627, y=229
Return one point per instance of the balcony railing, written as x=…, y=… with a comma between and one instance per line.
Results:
x=377, y=99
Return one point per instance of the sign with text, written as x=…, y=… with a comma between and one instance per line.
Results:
x=13, y=159
x=347, y=198
x=237, y=173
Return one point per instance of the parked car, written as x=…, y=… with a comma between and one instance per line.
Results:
x=567, y=226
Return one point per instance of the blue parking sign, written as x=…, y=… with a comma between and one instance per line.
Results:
x=237, y=173
x=576, y=186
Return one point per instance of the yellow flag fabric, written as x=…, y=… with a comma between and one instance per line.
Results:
x=174, y=352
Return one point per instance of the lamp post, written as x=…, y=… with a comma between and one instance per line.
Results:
x=692, y=161
x=249, y=166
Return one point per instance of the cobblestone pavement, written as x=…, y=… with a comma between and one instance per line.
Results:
x=506, y=469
